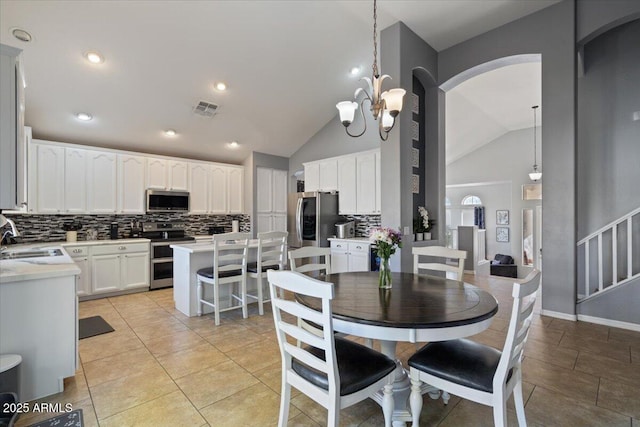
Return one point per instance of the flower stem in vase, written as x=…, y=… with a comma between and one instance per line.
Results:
x=384, y=279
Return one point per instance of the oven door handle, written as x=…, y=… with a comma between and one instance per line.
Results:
x=161, y=260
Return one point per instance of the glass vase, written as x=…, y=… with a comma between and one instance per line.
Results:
x=384, y=278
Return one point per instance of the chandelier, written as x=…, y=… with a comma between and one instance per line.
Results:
x=384, y=105
x=535, y=174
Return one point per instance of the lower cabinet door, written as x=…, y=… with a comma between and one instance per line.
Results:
x=84, y=279
x=358, y=261
x=105, y=273
x=339, y=262
x=135, y=270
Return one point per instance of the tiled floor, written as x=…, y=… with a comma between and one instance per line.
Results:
x=160, y=368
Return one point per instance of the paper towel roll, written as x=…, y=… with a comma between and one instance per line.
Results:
x=235, y=226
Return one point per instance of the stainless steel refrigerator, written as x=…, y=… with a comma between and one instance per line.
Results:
x=311, y=218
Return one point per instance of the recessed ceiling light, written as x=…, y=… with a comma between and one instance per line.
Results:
x=233, y=144
x=94, y=57
x=170, y=132
x=355, y=71
x=21, y=35
x=222, y=86
x=85, y=117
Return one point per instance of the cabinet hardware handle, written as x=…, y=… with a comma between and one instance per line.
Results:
x=122, y=248
x=358, y=247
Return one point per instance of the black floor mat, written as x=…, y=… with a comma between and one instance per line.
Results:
x=70, y=419
x=92, y=326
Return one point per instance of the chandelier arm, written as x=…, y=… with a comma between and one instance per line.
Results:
x=363, y=120
x=384, y=135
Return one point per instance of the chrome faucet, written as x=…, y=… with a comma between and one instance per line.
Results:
x=13, y=232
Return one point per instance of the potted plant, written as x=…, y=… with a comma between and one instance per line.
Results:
x=425, y=223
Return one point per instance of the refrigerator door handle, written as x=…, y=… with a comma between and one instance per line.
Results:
x=299, y=220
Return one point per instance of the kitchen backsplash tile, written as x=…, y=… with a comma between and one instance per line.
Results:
x=364, y=223
x=49, y=228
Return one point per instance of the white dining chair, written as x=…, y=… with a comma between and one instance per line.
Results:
x=332, y=371
x=229, y=267
x=309, y=260
x=458, y=257
x=272, y=247
x=478, y=372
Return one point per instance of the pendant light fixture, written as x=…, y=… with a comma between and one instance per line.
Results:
x=535, y=175
x=384, y=105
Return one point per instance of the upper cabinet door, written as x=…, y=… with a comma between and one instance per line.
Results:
x=236, y=190
x=328, y=175
x=75, y=180
x=199, y=188
x=49, y=179
x=347, y=185
x=366, y=183
x=178, y=175
x=312, y=176
x=102, y=178
x=218, y=190
x=131, y=186
x=264, y=190
x=280, y=191
x=156, y=173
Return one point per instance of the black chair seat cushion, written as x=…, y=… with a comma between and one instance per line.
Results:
x=460, y=361
x=359, y=367
x=208, y=272
x=252, y=267
x=501, y=259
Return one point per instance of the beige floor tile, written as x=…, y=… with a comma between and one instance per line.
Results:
x=271, y=376
x=434, y=411
x=173, y=342
x=581, y=329
x=468, y=413
x=75, y=390
x=544, y=334
x=229, y=341
x=620, y=397
x=172, y=409
x=160, y=328
x=301, y=420
x=491, y=338
x=257, y=405
x=351, y=416
x=612, y=349
x=216, y=383
x=574, y=384
x=120, y=365
x=140, y=317
x=112, y=397
x=189, y=361
x=608, y=368
x=624, y=335
x=105, y=345
x=257, y=356
x=551, y=353
x=549, y=408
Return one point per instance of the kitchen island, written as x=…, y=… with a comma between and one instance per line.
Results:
x=39, y=316
x=187, y=260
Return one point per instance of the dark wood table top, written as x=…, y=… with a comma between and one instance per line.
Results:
x=414, y=301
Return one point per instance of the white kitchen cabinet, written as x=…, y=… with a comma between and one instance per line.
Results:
x=311, y=176
x=134, y=270
x=218, y=190
x=80, y=255
x=366, y=183
x=271, y=203
x=328, y=175
x=178, y=178
x=235, y=189
x=119, y=266
x=75, y=181
x=131, y=185
x=102, y=191
x=347, y=202
x=349, y=255
x=47, y=172
x=199, y=188
x=156, y=173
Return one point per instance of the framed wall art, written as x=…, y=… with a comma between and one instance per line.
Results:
x=415, y=184
x=502, y=217
x=415, y=130
x=415, y=103
x=502, y=234
x=415, y=157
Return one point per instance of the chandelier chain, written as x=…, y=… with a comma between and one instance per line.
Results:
x=375, y=40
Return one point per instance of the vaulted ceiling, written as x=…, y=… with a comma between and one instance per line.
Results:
x=286, y=64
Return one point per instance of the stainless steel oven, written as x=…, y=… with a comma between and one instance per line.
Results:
x=163, y=235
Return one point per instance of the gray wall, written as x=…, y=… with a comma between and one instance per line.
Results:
x=549, y=32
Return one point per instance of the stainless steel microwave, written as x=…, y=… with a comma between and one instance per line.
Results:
x=167, y=201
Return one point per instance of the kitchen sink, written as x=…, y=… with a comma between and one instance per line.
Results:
x=30, y=253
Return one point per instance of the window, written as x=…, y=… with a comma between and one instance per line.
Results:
x=471, y=201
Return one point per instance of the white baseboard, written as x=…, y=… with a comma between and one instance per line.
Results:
x=559, y=315
x=609, y=322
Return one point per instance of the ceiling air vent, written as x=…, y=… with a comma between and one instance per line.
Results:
x=205, y=109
